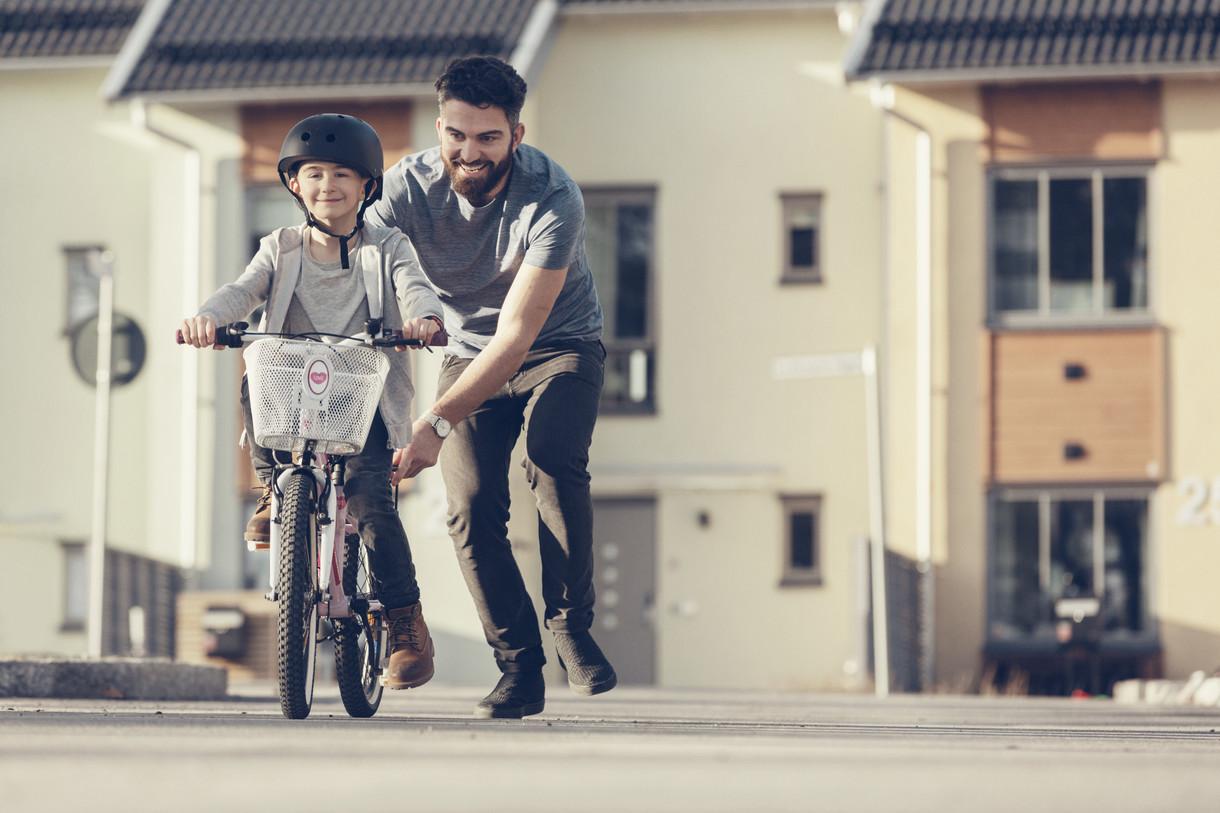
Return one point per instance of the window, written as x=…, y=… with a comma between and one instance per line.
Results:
x=1049, y=547
x=76, y=586
x=1069, y=244
x=619, y=245
x=802, y=238
x=802, y=548
x=82, y=284
x=267, y=209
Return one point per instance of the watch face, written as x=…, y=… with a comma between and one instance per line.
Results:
x=442, y=426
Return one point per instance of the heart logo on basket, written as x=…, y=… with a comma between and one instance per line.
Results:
x=317, y=376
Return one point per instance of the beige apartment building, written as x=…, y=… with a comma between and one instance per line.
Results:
x=1009, y=205
x=731, y=183
x=87, y=194
x=1049, y=239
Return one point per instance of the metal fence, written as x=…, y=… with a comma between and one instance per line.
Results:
x=139, y=597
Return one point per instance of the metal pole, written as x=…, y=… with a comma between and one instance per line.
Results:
x=102, y=265
x=876, y=523
x=923, y=404
x=883, y=97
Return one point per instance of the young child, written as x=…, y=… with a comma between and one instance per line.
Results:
x=319, y=277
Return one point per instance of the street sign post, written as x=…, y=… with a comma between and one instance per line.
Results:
x=838, y=365
x=102, y=265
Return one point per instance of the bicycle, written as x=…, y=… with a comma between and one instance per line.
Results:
x=316, y=400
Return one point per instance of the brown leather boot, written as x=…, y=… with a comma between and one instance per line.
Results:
x=258, y=529
x=411, y=649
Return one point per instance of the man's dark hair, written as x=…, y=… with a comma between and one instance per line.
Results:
x=483, y=81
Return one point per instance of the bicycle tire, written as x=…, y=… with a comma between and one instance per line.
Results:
x=297, y=617
x=359, y=683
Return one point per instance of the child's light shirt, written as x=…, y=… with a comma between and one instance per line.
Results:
x=328, y=298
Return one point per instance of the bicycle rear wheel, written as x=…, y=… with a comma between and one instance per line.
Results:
x=357, y=649
x=297, y=620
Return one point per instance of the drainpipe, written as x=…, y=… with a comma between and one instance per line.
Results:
x=188, y=407
x=882, y=96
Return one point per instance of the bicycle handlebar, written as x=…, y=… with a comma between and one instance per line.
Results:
x=235, y=335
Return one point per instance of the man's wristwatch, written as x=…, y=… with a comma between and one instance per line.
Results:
x=438, y=423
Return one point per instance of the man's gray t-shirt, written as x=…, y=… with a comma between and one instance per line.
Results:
x=471, y=255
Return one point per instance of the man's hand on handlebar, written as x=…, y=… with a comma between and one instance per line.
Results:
x=198, y=331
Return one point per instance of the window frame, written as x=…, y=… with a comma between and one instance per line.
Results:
x=637, y=194
x=788, y=203
x=1100, y=494
x=790, y=575
x=1043, y=173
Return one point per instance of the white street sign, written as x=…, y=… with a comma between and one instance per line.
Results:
x=826, y=365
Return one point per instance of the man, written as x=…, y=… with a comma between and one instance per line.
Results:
x=499, y=228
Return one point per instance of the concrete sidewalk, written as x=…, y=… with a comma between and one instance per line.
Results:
x=647, y=750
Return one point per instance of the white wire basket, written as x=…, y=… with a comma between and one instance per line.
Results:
x=310, y=391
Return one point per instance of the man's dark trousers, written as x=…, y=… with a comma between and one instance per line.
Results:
x=554, y=398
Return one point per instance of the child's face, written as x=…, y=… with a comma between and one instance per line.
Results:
x=332, y=192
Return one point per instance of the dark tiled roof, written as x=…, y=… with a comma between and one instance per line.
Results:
x=1050, y=36
x=217, y=45
x=688, y=5
x=647, y=3
x=65, y=28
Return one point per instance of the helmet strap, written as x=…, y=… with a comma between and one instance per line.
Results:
x=343, y=238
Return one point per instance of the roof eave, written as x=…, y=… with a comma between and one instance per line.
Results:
x=48, y=63
x=678, y=7
x=272, y=94
x=858, y=48
x=133, y=48
x=534, y=41
x=957, y=76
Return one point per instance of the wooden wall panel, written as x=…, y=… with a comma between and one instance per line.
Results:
x=258, y=663
x=1111, y=121
x=1115, y=411
x=263, y=129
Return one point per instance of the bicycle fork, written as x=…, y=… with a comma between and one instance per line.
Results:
x=333, y=602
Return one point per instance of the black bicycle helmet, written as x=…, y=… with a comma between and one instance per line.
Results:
x=339, y=139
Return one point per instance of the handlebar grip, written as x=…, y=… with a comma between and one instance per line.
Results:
x=396, y=339
x=226, y=336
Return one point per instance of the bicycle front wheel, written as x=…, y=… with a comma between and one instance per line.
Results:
x=297, y=621
x=357, y=646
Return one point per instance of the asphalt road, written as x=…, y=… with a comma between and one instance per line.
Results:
x=630, y=750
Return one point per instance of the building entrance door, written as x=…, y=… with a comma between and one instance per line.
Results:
x=624, y=532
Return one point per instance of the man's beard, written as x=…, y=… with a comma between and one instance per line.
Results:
x=477, y=189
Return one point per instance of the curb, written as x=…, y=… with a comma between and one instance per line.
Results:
x=111, y=679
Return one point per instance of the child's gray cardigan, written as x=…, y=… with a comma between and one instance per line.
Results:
x=272, y=276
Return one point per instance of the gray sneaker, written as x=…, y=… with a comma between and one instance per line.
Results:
x=589, y=672
x=517, y=695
